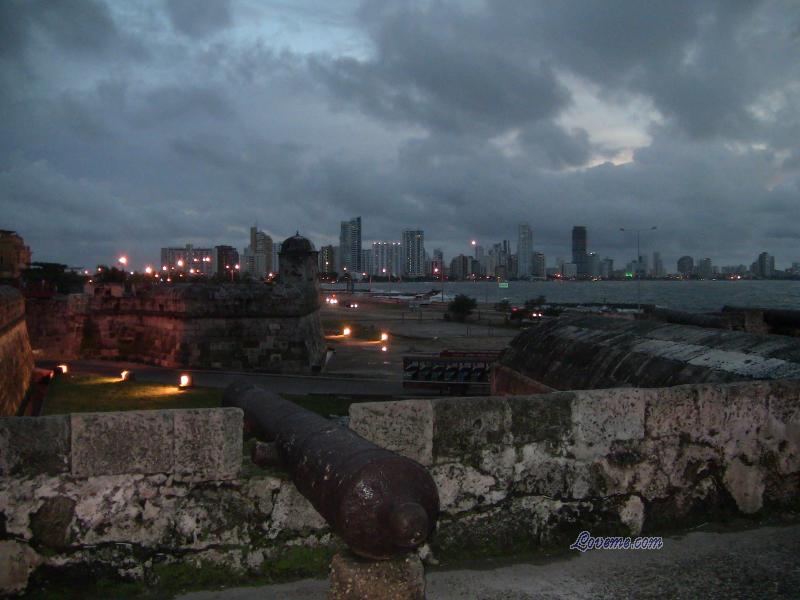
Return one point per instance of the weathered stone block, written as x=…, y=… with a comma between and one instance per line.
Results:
x=601, y=417
x=405, y=427
x=293, y=513
x=466, y=427
x=50, y=524
x=746, y=484
x=16, y=563
x=208, y=443
x=353, y=578
x=123, y=442
x=34, y=445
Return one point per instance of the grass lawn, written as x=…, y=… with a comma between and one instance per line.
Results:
x=92, y=393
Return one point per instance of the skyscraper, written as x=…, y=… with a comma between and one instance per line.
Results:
x=592, y=265
x=350, y=245
x=686, y=266
x=189, y=259
x=579, y=248
x=225, y=259
x=327, y=259
x=257, y=257
x=414, y=252
x=539, y=266
x=386, y=258
x=658, y=266
x=705, y=269
x=524, y=251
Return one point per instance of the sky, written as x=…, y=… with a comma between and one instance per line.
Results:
x=126, y=126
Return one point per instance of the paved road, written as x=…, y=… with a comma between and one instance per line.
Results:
x=281, y=384
x=756, y=563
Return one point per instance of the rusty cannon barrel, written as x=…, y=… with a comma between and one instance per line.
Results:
x=378, y=502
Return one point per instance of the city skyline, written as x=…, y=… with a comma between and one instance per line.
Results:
x=132, y=127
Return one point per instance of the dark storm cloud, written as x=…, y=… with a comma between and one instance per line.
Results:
x=430, y=70
x=80, y=26
x=199, y=19
x=131, y=126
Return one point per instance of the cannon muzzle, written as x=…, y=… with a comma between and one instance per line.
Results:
x=378, y=502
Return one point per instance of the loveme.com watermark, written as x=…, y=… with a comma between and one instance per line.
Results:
x=586, y=542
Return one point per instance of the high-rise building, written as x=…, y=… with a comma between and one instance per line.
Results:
x=387, y=259
x=188, y=260
x=579, y=249
x=350, y=245
x=539, y=268
x=765, y=264
x=414, y=252
x=569, y=270
x=524, y=251
x=438, y=256
x=14, y=255
x=658, y=266
x=276, y=253
x=326, y=259
x=686, y=266
x=460, y=267
x=257, y=257
x=367, y=262
x=640, y=266
x=592, y=265
x=705, y=269
x=606, y=268
x=224, y=260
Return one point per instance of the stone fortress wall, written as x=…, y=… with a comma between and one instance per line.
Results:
x=590, y=352
x=253, y=326
x=133, y=495
x=137, y=495
x=520, y=472
x=16, y=359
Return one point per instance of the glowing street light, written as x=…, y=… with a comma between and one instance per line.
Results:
x=123, y=260
x=180, y=262
x=384, y=336
x=346, y=331
x=148, y=270
x=185, y=381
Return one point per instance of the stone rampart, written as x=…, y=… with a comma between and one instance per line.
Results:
x=56, y=325
x=16, y=359
x=522, y=472
x=142, y=496
x=588, y=352
x=243, y=326
x=214, y=326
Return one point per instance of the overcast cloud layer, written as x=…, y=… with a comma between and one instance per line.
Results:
x=127, y=126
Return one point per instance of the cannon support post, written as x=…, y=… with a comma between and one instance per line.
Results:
x=380, y=503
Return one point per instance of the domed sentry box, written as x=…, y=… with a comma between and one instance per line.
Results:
x=298, y=260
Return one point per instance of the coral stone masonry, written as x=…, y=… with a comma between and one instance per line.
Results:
x=246, y=326
x=16, y=359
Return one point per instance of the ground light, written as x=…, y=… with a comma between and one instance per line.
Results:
x=185, y=381
x=346, y=331
x=384, y=349
x=126, y=376
x=63, y=368
x=384, y=336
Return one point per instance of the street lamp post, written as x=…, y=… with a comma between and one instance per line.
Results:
x=638, y=263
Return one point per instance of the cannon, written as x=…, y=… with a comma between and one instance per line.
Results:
x=380, y=503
